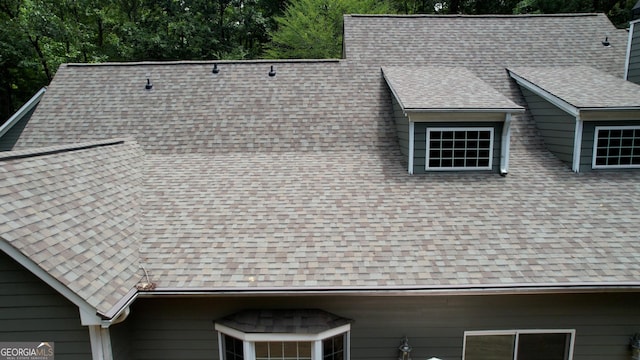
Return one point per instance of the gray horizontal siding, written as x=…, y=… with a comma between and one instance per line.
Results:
x=402, y=128
x=32, y=311
x=182, y=328
x=588, y=135
x=420, y=142
x=633, y=73
x=556, y=126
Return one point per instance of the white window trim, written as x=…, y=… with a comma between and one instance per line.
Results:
x=491, y=140
x=249, y=340
x=595, y=147
x=516, y=333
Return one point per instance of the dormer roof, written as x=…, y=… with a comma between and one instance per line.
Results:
x=444, y=89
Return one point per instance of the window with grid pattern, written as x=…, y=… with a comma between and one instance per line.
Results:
x=459, y=148
x=616, y=147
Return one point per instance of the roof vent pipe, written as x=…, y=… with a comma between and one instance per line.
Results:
x=272, y=72
x=215, y=69
x=606, y=42
x=149, y=85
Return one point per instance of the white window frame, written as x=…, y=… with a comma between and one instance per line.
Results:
x=249, y=340
x=516, y=333
x=595, y=147
x=459, y=129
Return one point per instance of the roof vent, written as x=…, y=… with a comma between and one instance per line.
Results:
x=272, y=72
x=149, y=85
x=606, y=42
x=215, y=69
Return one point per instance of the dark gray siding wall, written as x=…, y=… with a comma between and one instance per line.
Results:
x=588, y=136
x=120, y=340
x=402, y=128
x=420, y=142
x=556, y=126
x=32, y=311
x=633, y=73
x=183, y=328
x=9, y=139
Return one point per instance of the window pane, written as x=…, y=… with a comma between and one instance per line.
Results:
x=333, y=348
x=459, y=149
x=543, y=347
x=233, y=348
x=262, y=350
x=489, y=347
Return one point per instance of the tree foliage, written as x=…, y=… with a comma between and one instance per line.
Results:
x=312, y=29
x=36, y=36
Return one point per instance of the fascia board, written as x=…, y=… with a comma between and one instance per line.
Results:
x=393, y=91
x=88, y=313
x=563, y=105
x=35, y=99
x=247, y=336
x=628, y=54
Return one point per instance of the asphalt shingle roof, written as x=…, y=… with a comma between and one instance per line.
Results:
x=444, y=88
x=583, y=86
x=297, y=182
x=74, y=213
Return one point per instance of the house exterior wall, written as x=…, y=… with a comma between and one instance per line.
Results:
x=402, y=127
x=31, y=311
x=9, y=139
x=183, y=328
x=588, y=136
x=556, y=126
x=633, y=72
x=420, y=141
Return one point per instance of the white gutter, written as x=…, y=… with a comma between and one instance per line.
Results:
x=464, y=110
x=577, y=145
x=506, y=142
x=35, y=99
x=471, y=289
x=412, y=127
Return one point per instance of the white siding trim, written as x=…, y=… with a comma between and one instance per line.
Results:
x=628, y=55
x=577, y=145
x=252, y=337
x=563, y=105
x=412, y=131
x=100, y=343
x=88, y=314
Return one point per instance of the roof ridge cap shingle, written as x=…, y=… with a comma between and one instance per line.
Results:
x=523, y=16
x=51, y=150
x=206, y=62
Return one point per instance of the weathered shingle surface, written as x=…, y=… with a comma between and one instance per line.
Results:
x=583, y=86
x=74, y=213
x=296, y=181
x=444, y=88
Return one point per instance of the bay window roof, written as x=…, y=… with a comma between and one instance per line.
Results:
x=298, y=321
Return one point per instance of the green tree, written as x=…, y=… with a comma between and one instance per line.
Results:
x=312, y=29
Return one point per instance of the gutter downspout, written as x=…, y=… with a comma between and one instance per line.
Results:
x=577, y=145
x=100, y=343
x=628, y=56
x=411, y=145
x=506, y=141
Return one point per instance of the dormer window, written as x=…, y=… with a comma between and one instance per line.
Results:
x=459, y=148
x=283, y=335
x=616, y=147
x=447, y=119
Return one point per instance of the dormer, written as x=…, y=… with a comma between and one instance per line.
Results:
x=448, y=119
x=589, y=119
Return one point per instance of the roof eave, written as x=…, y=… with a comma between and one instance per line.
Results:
x=472, y=289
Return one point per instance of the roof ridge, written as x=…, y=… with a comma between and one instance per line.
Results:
x=419, y=16
x=52, y=150
x=207, y=62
